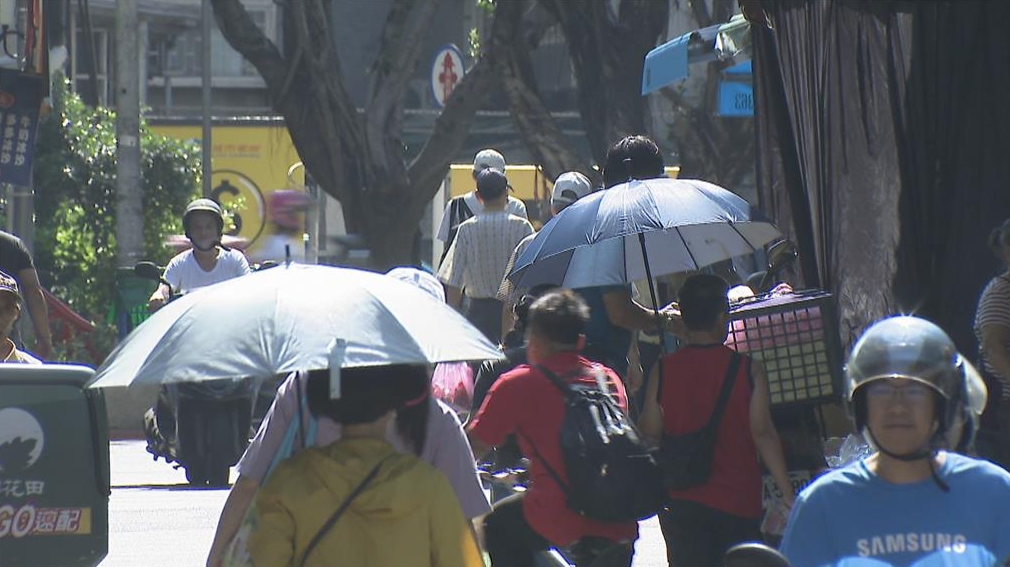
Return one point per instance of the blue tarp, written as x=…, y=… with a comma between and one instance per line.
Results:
x=665, y=64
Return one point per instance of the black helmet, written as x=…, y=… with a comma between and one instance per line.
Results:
x=910, y=348
x=205, y=205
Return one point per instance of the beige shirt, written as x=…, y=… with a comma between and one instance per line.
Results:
x=477, y=258
x=16, y=356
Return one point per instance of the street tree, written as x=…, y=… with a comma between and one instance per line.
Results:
x=607, y=43
x=358, y=157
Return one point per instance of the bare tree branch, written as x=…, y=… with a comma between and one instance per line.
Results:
x=543, y=138
x=245, y=37
x=700, y=10
x=608, y=53
x=406, y=25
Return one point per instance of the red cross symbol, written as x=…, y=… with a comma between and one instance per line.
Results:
x=448, y=77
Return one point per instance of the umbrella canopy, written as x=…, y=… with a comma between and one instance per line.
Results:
x=286, y=318
x=676, y=224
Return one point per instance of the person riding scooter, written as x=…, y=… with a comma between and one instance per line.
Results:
x=207, y=262
x=911, y=501
x=213, y=411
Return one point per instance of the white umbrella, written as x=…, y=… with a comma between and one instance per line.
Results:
x=285, y=319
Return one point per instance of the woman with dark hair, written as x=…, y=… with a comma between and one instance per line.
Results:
x=428, y=429
x=358, y=501
x=992, y=328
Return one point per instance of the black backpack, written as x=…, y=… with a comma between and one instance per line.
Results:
x=459, y=211
x=612, y=476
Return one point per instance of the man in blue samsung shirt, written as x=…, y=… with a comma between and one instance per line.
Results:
x=909, y=503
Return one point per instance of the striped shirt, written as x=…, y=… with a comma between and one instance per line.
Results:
x=508, y=292
x=477, y=257
x=994, y=309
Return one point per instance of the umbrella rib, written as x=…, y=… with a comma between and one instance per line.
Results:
x=686, y=247
x=736, y=230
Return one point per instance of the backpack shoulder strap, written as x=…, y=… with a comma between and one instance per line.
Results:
x=464, y=210
x=566, y=390
x=341, y=509
x=727, y=388
x=560, y=384
x=550, y=470
x=565, y=387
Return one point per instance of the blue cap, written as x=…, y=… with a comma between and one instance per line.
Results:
x=491, y=183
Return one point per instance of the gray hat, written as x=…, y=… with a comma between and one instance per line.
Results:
x=488, y=159
x=570, y=187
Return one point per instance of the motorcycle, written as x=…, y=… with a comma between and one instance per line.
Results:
x=203, y=427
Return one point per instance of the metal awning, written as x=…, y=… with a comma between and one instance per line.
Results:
x=669, y=62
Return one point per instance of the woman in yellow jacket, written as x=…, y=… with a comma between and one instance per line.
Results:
x=396, y=509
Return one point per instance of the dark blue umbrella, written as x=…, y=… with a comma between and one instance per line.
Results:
x=640, y=230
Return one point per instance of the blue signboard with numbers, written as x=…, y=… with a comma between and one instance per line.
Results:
x=736, y=98
x=20, y=99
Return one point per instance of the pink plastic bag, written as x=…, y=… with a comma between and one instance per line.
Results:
x=452, y=382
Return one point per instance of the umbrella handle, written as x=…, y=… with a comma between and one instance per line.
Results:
x=652, y=293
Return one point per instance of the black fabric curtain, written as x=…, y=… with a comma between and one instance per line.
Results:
x=883, y=129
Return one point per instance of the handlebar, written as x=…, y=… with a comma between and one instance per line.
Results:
x=516, y=479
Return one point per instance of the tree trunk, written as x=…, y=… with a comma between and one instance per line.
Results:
x=358, y=158
x=608, y=53
x=550, y=149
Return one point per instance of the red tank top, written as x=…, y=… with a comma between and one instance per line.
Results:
x=691, y=380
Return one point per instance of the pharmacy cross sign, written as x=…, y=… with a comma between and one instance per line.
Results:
x=446, y=72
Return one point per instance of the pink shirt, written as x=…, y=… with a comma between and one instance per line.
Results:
x=445, y=446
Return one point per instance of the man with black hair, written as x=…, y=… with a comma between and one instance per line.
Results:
x=16, y=261
x=461, y=208
x=702, y=522
x=614, y=314
x=476, y=259
x=397, y=509
x=633, y=157
x=526, y=403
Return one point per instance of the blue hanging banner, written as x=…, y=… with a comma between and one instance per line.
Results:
x=20, y=100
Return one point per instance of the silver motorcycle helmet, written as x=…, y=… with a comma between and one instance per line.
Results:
x=961, y=437
x=911, y=348
x=203, y=206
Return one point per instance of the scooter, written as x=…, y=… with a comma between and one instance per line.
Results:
x=203, y=427
x=515, y=480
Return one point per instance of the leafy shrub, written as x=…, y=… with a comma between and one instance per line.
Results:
x=75, y=200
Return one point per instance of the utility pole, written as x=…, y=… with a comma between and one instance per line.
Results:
x=207, y=19
x=129, y=192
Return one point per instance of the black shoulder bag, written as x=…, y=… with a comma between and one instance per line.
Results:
x=459, y=211
x=686, y=459
x=340, y=511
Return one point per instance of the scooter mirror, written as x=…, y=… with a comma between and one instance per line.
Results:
x=781, y=254
x=147, y=270
x=754, y=555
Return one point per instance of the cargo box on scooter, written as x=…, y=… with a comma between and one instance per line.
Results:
x=795, y=337
x=54, y=467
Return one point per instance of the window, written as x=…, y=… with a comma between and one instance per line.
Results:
x=81, y=65
x=181, y=56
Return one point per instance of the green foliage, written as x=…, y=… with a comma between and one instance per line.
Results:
x=473, y=40
x=75, y=200
x=90, y=349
